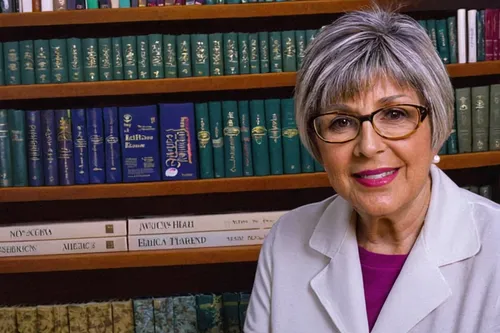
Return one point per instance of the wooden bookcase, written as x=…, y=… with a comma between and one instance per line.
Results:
x=75, y=278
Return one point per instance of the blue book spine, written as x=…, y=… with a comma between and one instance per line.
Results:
x=112, y=146
x=65, y=156
x=79, y=127
x=34, y=147
x=49, y=148
x=139, y=142
x=177, y=142
x=95, y=134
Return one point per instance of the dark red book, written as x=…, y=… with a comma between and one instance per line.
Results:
x=488, y=33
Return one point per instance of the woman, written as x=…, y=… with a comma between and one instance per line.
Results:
x=400, y=248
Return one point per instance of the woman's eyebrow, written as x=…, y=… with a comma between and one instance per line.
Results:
x=389, y=99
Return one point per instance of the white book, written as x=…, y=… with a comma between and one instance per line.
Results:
x=115, y=4
x=47, y=6
x=461, y=36
x=63, y=246
x=472, y=35
x=66, y=230
x=26, y=5
x=197, y=223
x=197, y=240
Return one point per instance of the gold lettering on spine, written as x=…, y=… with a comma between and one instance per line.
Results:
x=203, y=134
x=143, y=60
x=91, y=57
x=28, y=60
x=232, y=132
x=184, y=56
x=232, y=55
x=178, y=148
x=106, y=60
x=129, y=60
x=217, y=57
x=289, y=48
x=156, y=58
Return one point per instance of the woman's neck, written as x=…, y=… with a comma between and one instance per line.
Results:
x=394, y=234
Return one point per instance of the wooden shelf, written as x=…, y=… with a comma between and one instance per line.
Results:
x=74, y=262
x=224, y=185
x=176, y=13
x=192, y=84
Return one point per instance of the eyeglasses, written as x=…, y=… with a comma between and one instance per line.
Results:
x=392, y=122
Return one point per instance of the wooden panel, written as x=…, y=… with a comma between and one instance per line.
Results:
x=224, y=185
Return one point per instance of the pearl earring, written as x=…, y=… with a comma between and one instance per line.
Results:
x=436, y=159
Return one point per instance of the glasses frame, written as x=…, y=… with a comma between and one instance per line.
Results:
x=423, y=112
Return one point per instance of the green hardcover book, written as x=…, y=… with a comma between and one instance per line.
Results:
x=200, y=54
x=464, y=119
x=230, y=303
x=105, y=59
x=318, y=167
x=123, y=316
x=12, y=63
x=205, y=150
x=170, y=55
x=452, y=141
x=242, y=308
x=494, y=117
x=443, y=150
x=273, y=124
x=100, y=318
x=474, y=189
x=143, y=57
x=300, y=46
x=27, y=62
x=184, y=56
x=209, y=312
x=75, y=61
x=2, y=74
x=265, y=66
x=185, y=320
x=216, y=54
x=290, y=137
x=233, y=158
x=260, y=141
x=45, y=319
x=129, y=52
x=144, y=316
x=442, y=41
x=485, y=191
x=78, y=321
x=432, y=30
x=231, y=2
x=452, y=39
x=156, y=54
x=480, y=118
x=92, y=4
x=310, y=35
x=5, y=151
x=246, y=137
x=306, y=160
x=26, y=319
x=481, y=44
x=61, y=320
x=253, y=43
x=289, y=51
x=276, y=52
x=17, y=129
x=91, y=59
x=117, y=55
x=170, y=314
x=217, y=135
x=8, y=320
x=58, y=61
x=423, y=23
x=244, y=52
x=231, y=58
x=42, y=61
x=160, y=315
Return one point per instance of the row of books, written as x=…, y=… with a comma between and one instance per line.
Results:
x=477, y=121
x=483, y=190
x=461, y=40
x=153, y=56
x=151, y=143
x=198, y=313
x=137, y=234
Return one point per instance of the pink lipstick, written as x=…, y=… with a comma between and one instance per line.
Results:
x=376, y=177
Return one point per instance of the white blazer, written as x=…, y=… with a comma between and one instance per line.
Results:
x=309, y=276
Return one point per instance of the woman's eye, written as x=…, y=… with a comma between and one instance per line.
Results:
x=394, y=114
x=341, y=123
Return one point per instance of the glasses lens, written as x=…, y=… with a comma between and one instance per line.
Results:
x=336, y=127
x=396, y=121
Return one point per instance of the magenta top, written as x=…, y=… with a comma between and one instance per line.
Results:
x=380, y=271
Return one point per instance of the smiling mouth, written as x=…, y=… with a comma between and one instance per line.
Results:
x=375, y=174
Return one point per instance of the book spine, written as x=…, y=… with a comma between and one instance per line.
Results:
x=488, y=34
x=276, y=52
x=79, y=128
x=442, y=41
x=95, y=135
x=155, y=43
x=494, y=130
x=63, y=246
x=27, y=6
x=144, y=315
x=5, y=151
x=143, y=57
x=307, y=161
x=124, y=4
x=58, y=61
x=59, y=5
x=246, y=137
x=242, y=308
x=105, y=59
x=231, y=318
x=496, y=37
x=170, y=55
x=216, y=54
x=194, y=240
x=26, y=319
x=2, y=73
x=92, y=4
x=273, y=124
x=75, y=62
x=472, y=34
x=481, y=55
x=17, y=129
x=117, y=58
x=200, y=54
x=480, y=118
x=301, y=44
x=205, y=150
x=232, y=140
x=184, y=56
x=179, y=159
x=129, y=45
x=6, y=6
x=184, y=308
x=34, y=148
x=112, y=145
x=61, y=319
x=444, y=149
x=318, y=167
x=432, y=31
x=100, y=317
x=45, y=318
x=265, y=66
x=288, y=45
x=27, y=61
x=91, y=63
x=464, y=119
x=485, y=191
x=244, y=52
x=123, y=316
x=310, y=35
x=78, y=319
x=231, y=56
x=260, y=142
x=290, y=137
x=253, y=43
x=217, y=135
x=49, y=148
x=452, y=141
x=160, y=315
x=209, y=313
x=80, y=4
x=462, y=36
x=12, y=63
x=452, y=38
x=42, y=61
x=65, y=155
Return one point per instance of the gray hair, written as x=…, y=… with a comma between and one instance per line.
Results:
x=346, y=57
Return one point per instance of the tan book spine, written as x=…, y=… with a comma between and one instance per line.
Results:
x=26, y=319
x=78, y=322
x=100, y=318
x=61, y=319
x=45, y=319
x=8, y=320
x=123, y=316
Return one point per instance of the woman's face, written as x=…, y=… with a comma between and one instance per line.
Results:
x=379, y=176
